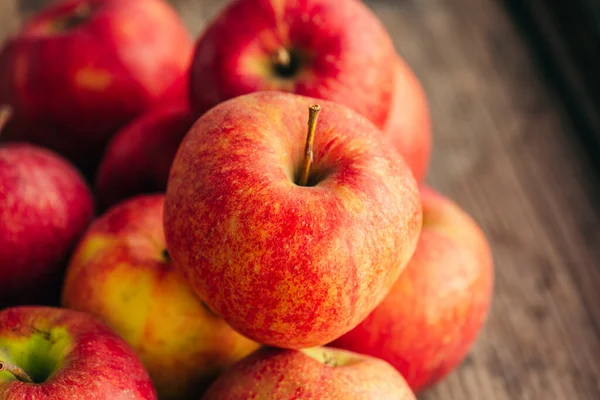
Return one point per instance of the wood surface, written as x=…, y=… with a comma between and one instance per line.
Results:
x=506, y=152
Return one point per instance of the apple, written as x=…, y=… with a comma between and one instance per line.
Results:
x=122, y=274
x=138, y=158
x=327, y=49
x=178, y=93
x=315, y=373
x=66, y=355
x=435, y=310
x=289, y=263
x=45, y=205
x=408, y=124
x=80, y=69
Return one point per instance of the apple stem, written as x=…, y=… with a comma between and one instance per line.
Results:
x=308, y=150
x=16, y=371
x=6, y=112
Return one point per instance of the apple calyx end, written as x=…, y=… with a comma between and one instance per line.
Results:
x=17, y=372
x=313, y=116
x=329, y=361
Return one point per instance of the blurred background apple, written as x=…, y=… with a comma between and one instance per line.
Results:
x=80, y=69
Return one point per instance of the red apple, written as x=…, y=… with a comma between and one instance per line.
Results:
x=121, y=273
x=44, y=207
x=56, y=354
x=138, y=159
x=309, y=374
x=435, y=310
x=288, y=264
x=327, y=49
x=80, y=69
x=178, y=93
x=408, y=123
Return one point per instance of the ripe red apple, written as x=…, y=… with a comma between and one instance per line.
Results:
x=435, y=310
x=327, y=49
x=44, y=207
x=66, y=355
x=178, y=93
x=137, y=160
x=287, y=264
x=408, y=123
x=121, y=273
x=80, y=69
x=315, y=373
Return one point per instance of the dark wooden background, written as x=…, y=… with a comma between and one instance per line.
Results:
x=507, y=153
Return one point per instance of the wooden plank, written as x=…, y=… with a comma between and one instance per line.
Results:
x=506, y=155
x=9, y=18
x=505, y=152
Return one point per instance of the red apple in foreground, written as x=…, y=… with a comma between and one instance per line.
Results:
x=435, y=310
x=408, y=123
x=59, y=354
x=315, y=373
x=80, y=69
x=286, y=263
x=122, y=274
x=45, y=205
x=327, y=49
x=137, y=160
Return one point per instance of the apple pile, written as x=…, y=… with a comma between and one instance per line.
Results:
x=243, y=217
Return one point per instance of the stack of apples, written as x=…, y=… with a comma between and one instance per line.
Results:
x=240, y=217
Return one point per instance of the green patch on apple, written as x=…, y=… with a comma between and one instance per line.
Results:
x=39, y=356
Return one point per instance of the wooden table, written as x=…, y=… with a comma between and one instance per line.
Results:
x=507, y=153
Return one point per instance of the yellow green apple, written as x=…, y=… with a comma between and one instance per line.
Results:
x=122, y=273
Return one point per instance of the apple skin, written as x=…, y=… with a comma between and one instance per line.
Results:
x=345, y=54
x=177, y=94
x=120, y=275
x=434, y=312
x=45, y=205
x=408, y=124
x=73, y=88
x=96, y=363
x=315, y=373
x=288, y=265
x=138, y=158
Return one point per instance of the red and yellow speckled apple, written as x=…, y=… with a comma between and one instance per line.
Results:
x=56, y=354
x=327, y=49
x=80, y=69
x=122, y=274
x=45, y=205
x=435, y=310
x=138, y=159
x=288, y=263
x=408, y=124
x=309, y=374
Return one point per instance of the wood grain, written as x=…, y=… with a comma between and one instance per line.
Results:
x=504, y=151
